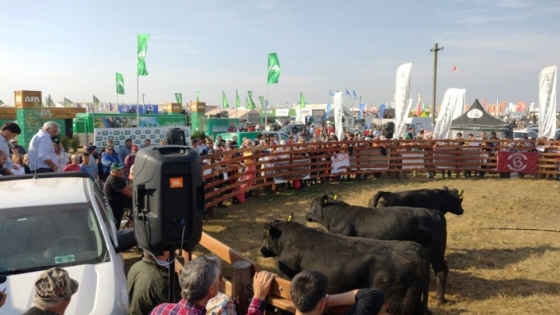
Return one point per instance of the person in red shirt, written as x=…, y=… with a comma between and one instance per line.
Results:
x=74, y=165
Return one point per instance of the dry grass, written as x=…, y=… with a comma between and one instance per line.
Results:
x=492, y=270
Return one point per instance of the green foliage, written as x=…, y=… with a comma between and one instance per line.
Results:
x=65, y=141
x=197, y=134
x=75, y=143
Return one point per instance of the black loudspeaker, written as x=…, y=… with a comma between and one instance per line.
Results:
x=175, y=136
x=168, y=198
x=388, y=128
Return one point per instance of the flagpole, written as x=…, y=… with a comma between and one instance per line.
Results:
x=137, y=101
x=266, y=108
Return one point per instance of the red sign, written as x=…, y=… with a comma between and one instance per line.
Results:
x=517, y=162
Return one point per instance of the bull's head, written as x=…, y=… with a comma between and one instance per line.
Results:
x=315, y=213
x=455, y=206
x=271, y=236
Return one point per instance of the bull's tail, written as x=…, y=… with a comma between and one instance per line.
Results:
x=375, y=200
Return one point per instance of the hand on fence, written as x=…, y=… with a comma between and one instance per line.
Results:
x=261, y=284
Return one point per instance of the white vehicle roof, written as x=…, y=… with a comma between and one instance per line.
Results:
x=42, y=191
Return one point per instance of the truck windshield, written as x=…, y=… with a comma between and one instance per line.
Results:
x=40, y=237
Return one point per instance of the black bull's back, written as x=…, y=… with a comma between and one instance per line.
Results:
x=399, y=268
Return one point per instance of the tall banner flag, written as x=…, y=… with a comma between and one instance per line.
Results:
x=142, y=40
x=67, y=102
x=327, y=114
x=380, y=113
x=361, y=112
x=237, y=101
x=348, y=93
x=261, y=98
x=120, y=83
x=224, y=100
x=96, y=103
x=50, y=102
x=247, y=102
x=402, y=96
x=273, y=69
x=251, y=103
x=179, y=98
x=453, y=101
x=353, y=91
x=2, y=103
x=338, y=115
x=301, y=100
x=547, y=102
x=197, y=96
x=331, y=94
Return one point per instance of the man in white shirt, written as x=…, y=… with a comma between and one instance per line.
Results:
x=41, y=149
x=8, y=132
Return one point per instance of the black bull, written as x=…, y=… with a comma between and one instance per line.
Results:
x=444, y=200
x=424, y=226
x=400, y=269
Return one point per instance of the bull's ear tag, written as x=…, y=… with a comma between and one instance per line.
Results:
x=290, y=218
x=325, y=199
x=335, y=197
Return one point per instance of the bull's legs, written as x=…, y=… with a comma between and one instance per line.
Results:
x=441, y=281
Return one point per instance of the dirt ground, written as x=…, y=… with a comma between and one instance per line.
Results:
x=503, y=252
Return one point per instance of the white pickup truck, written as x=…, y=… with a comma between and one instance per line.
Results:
x=61, y=219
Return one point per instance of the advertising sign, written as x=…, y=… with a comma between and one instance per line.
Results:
x=517, y=162
x=138, y=135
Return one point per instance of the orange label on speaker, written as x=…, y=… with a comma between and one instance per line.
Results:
x=176, y=182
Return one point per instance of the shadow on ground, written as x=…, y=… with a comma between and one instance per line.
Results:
x=495, y=258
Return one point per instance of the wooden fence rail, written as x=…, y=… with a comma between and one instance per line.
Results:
x=232, y=173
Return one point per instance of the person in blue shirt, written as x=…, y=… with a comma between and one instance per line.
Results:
x=108, y=158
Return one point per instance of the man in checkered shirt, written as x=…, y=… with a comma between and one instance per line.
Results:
x=200, y=281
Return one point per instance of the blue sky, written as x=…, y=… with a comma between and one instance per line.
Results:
x=73, y=48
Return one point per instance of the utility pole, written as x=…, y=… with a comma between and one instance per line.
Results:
x=435, y=51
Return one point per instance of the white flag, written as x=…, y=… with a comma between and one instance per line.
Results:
x=338, y=115
x=452, y=99
x=402, y=96
x=547, y=102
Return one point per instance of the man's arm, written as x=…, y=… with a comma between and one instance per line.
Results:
x=127, y=191
x=366, y=301
x=261, y=287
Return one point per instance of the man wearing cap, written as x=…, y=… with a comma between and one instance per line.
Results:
x=7, y=133
x=117, y=192
x=108, y=158
x=41, y=149
x=53, y=291
x=129, y=159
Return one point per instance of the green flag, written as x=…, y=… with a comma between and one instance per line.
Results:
x=67, y=102
x=224, y=100
x=197, y=96
x=237, y=101
x=120, y=83
x=179, y=98
x=273, y=69
x=247, y=102
x=261, y=98
x=142, y=40
x=251, y=102
x=301, y=100
x=1, y=103
x=50, y=102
